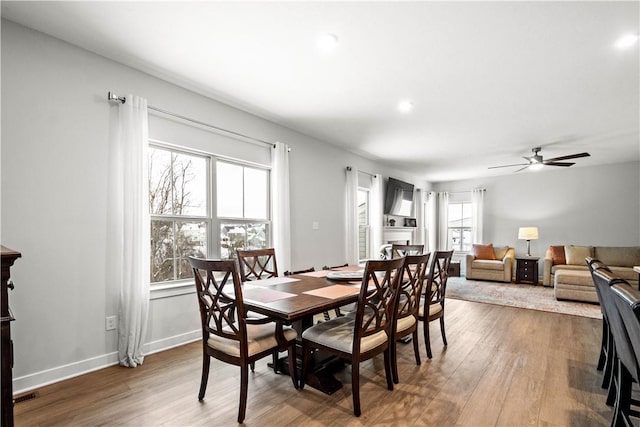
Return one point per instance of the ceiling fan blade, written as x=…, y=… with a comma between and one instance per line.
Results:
x=570, y=156
x=548, y=163
x=508, y=166
x=521, y=169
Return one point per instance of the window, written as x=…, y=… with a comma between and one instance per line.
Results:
x=363, y=223
x=459, y=226
x=184, y=214
x=243, y=206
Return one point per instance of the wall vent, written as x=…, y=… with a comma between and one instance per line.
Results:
x=25, y=397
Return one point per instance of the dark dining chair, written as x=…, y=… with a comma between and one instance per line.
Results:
x=605, y=359
x=257, y=264
x=434, y=296
x=407, y=306
x=398, y=250
x=364, y=334
x=291, y=273
x=627, y=300
x=228, y=333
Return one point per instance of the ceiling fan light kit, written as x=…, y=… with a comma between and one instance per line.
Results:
x=537, y=162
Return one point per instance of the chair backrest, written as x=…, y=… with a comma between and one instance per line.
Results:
x=376, y=301
x=308, y=270
x=595, y=264
x=219, y=292
x=410, y=288
x=437, y=278
x=398, y=250
x=326, y=267
x=627, y=301
x=257, y=264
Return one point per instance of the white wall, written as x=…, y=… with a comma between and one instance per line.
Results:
x=55, y=123
x=598, y=205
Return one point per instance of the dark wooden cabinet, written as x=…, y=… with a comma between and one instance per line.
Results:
x=9, y=256
x=527, y=269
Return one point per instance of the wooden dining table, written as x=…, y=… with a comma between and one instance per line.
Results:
x=295, y=300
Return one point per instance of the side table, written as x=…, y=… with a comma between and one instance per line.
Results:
x=527, y=269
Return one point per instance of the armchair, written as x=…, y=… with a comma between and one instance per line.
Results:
x=488, y=263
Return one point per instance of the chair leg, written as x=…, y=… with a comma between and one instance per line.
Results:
x=623, y=397
x=206, y=362
x=416, y=350
x=427, y=343
x=274, y=361
x=355, y=385
x=387, y=368
x=291, y=357
x=393, y=348
x=603, y=353
x=253, y=366
x=444, y=336
x=244, y=383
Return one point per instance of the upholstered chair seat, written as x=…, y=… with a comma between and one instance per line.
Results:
x=338, y=334
x=259, y=339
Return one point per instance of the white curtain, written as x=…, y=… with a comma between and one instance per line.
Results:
x=128, y=233
x=377, y=217
x=419, y=201
x=281, y=206
x=443, y=220
x=432, y=224
x=351, y=216
x=477, y=208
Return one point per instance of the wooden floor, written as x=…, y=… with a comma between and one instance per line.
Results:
x=503, y=367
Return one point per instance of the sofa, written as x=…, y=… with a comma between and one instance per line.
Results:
x=565, y=268
x=485, y=262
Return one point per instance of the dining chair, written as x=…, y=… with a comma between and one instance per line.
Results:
x=434, y=296
x=290, y=273
x=365, y=334
x=228, y=333
x=326, y=267
x=627, y=300
x=605, y=359
x=398, y=250
x=336, y=310
x=256, y=264
x=407, y=306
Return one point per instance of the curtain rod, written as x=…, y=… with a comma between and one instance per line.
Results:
x=373, y=175
x=458, y=192
x=115, y=98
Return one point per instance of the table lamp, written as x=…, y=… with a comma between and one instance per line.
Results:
x=528, y=234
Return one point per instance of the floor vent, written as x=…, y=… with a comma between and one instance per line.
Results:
x=25, y=397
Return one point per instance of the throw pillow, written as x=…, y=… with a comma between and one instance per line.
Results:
x=501, y=253
x=557, y=255
x=483, y=251
x=575, y=255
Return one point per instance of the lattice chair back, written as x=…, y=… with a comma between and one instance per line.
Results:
x=398, y=250
x=410, y=288
x=257, y=264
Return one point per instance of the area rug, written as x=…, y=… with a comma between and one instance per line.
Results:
x=517, y=295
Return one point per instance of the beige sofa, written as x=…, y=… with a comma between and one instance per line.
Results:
x=571, y=279
x=499, y=269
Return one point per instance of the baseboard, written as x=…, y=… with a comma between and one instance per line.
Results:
x=60, y=373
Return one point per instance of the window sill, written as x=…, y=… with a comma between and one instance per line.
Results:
x=173, y=289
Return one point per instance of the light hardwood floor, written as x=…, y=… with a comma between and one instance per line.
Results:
x=503, y=367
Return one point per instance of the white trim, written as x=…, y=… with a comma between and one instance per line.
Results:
x=60, y=373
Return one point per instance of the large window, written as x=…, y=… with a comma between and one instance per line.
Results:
x=185, y=211
x=459, y=226
x=363, y=224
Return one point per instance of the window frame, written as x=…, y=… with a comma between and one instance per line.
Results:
x=461, y=228
x=213, y=223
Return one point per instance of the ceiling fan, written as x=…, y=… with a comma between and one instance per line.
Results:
x=536, y=161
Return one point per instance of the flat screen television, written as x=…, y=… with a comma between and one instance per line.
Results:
x=399, y=198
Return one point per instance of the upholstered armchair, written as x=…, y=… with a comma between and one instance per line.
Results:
x=485, y=262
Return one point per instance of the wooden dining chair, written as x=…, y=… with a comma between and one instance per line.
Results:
x=407, y=307
x=326, y=267
x=256, y=264
x=228, y=333
x=290, y=273
x=435, y=290
x=366, y=333
x=605, y=360
x=398, y=250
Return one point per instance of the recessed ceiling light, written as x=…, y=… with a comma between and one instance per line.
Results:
x=405, y=106
x=626, y=41
x=327, y=42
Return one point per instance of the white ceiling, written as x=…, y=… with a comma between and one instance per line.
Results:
x=489, y=80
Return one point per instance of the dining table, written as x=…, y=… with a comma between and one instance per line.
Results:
x=295, y=300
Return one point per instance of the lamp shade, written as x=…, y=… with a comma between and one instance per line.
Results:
x=528, y=233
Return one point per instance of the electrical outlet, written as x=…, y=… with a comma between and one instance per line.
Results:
x=110, y=323
x=315, y=225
